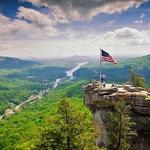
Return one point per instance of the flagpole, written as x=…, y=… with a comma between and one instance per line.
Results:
x=100, y=70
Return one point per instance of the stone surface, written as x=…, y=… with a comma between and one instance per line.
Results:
x=100, y=98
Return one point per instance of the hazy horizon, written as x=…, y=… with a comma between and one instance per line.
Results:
x=72, y=56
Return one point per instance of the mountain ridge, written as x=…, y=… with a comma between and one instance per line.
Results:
x=15, y=63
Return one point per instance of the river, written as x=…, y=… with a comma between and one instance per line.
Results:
x=56, y=82
x=70, y=73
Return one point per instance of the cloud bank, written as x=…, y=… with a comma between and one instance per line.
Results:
x=127, y=37
x=73, y=10
x=120, y=42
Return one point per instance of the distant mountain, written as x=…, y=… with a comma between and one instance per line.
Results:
x=74, y=58
x=79, y=58
x=68, y=62
x=15, y=63
x=138, y=62
x=119, y=72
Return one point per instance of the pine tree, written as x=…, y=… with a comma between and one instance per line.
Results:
x=136, y=80
x=120, y=127
x=70, y=129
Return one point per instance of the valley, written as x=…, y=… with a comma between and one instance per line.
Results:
x=18, y=84
x=20, y=89
x=32, y=98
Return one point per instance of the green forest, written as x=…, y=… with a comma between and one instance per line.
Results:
x=24, y=130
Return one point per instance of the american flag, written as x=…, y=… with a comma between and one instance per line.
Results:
x=107, y=57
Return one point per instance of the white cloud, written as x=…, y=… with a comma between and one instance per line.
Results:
x=141, y=19
x=73, y=10
x=37, y=18
x=29, y=24
x=142, y=15
x=109, y=23
x=122, y=41
x=15, y=28
x=42, y=24
x=123, y=33
x=127, y=37
x=138, y=21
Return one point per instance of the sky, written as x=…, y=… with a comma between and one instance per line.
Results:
x=60, y=28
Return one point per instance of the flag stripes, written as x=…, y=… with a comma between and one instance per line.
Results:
x=107, y=57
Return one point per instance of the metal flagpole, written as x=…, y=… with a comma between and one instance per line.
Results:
x=100, y=70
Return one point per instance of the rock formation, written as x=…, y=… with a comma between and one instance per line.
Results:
x=100, y=99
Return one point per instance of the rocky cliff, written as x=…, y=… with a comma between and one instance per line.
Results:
x=100, y=98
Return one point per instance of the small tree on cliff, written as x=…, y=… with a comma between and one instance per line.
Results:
x=136, y=80
x=119, y=127
x=70, y=129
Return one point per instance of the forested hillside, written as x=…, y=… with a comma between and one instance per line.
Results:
x=20, y=79
x=16, y=85
x=22, y=130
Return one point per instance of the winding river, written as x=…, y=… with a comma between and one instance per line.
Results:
x=69, y=73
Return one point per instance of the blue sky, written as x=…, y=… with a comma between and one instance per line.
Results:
x=46, y=28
